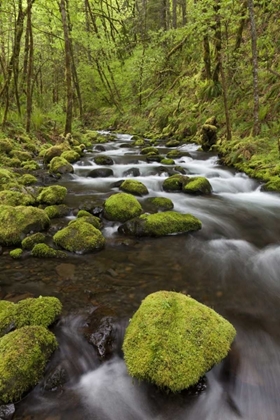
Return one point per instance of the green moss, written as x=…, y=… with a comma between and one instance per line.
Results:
x=7, y=317
x=54, y=194
x=173, y=143
x=93, y=137
x=22, y=156
x=197, y=185
x=31, y=240
x=71, y=156
x=16, y=253
x=17, y=222
x=150, y=150
x=42, y=250
x=6, y=146
x=272, y=185
x=28, y=179
x=55, y=211
x=59, y=165
x=161, y=203
x=161, y=224
x=80, y=237
x=172, y=340
x=54, y=151
x=166, y=161
x=23, y=357
x=121, y=207
x=103, y=160
x=30, y=166
x=8, y=179
x=134, y=187
x=174, y=182
x=85, y=216
x=16, y=198
x=139, y=142
x=175, y=154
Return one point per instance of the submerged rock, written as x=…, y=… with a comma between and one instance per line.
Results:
x=121, y=207
x=160, y=224
x=23, y=357
x=173, y=340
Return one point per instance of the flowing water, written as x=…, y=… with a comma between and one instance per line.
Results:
x=232, y=265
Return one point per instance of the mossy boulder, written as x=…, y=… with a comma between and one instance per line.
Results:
x=53, y=151
x=28, y=179
x=54, y=194
x=31, y=240
x=42, y=250
x=160, y=224
x=71, y=156
x=167, y=161
x=172, y=143
x=122, y=207
x=22, y=156
x=31, y=165
x=103, y=160
x=89, y=218
x=80, y=237
x=134, y=187
x=59, y=165
x=57, y=210
x=31, y=311
x=16, y=253
x=17, y=222
x=8, y=179
x=175, y=182
x=150, y=150
x=139, y=142
x=6, y=146
x=16, y=198
x=160, y=203
x=173, y=340
x=176, y=154
x=23, y=357
x=197, y=186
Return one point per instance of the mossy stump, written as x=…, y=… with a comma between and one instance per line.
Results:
x=173, y=340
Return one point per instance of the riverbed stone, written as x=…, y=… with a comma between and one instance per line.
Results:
x=23, y=357
x=121, y=207
x=54, y=194
x=132, y=172
x=101, y=173
x=80, y=237
x=59, y=165
x=160, y=224
x=31, y=240
x=103, y=160
x=172, y=340
x=17, y=222
x=175, y=182
x=198, y=185
x=160, y=203
x=134, y=187
x=16, y=198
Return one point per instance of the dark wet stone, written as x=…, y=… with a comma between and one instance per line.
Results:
x=1, y=250
x=55, y=379
x=7, y=411
x=132, y=172
x=97, y=211
x=154, y=158
x=163, y=170
x=123, y=145
x=101, y=173
x=117, y=184
x=100, y=148
x=103, y=160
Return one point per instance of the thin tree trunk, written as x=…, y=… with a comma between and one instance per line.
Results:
x=256, y=126
x=29, y=68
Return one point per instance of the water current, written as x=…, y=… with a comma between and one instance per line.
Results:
x=231, y=264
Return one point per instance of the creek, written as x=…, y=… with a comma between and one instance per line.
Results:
x=231, y=264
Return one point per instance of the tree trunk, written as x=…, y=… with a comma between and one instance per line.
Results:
x=174, y=14
x=256, y=126
x=68, y=76
x=29, y=68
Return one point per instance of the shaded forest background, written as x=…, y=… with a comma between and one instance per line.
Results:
x=145, y=66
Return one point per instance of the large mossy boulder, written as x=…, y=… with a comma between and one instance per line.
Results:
x=45, y=251
x=198, y=185
x=173, y=340
x=122, y=207
x=23, y=357
x=134, y=187
x=51, y=152
x=160, y=224
x=17, y=222
x=209, y=133
x=31, y=311
x=8, y=179
x=160, y=203
x=175, y=183
x=150, y=150
x=80, y=237
x=103, y=160
x=16, y=198
x=54, y=194
x=59, y=165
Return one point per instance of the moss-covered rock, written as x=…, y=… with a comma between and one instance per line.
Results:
x=173, y=340
x=122, y=207
x=160, y=224
x=31, y=311
x=176, y=154
x=22, y=156
x=53, y=151
x=17, y=222
x=197, y=186
x=150, y=150
x=6, y=146
x=167, y=161
x=54, y=194
x=71, y=156
x=134, y=187
x=42, y=250
x=16, y=253
x=89, y=218
x=172, y=143
x=31, y=165
x=16, y=198
x=103, y=160
x=57, y=210
x=80, y=237
x=8, y=179
x=28, y=179
x=23, y=357
x=59, y=165
x=175, y=182
x=138, y=142
x=160, y=203
x=31, y=240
